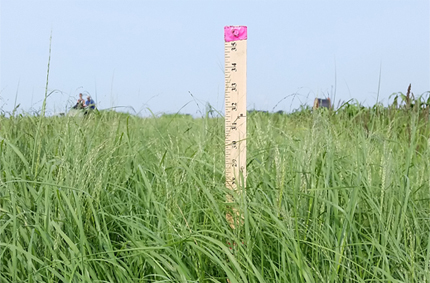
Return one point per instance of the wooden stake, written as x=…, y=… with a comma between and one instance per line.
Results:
x=235, y=113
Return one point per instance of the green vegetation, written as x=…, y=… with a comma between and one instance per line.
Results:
x=331, y=196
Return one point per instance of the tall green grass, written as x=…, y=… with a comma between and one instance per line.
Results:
x=331, y=197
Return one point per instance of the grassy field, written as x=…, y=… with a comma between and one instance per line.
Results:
x=331, y=196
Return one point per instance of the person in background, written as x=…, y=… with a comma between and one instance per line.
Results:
x=81, y=103
x=90, y=103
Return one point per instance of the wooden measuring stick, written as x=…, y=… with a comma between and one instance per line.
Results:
x=235, y=38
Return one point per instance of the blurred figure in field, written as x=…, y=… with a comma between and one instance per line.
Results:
x=90, y=103
x=81, y=103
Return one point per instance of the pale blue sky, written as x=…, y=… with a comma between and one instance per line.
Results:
x=153, y=54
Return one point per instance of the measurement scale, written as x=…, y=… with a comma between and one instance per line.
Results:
x=235, y=38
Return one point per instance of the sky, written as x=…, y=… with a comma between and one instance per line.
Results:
x=153, y=57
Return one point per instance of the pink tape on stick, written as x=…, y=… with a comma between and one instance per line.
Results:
x=234, y=33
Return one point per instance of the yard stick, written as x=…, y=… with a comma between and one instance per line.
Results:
x=235, y=38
